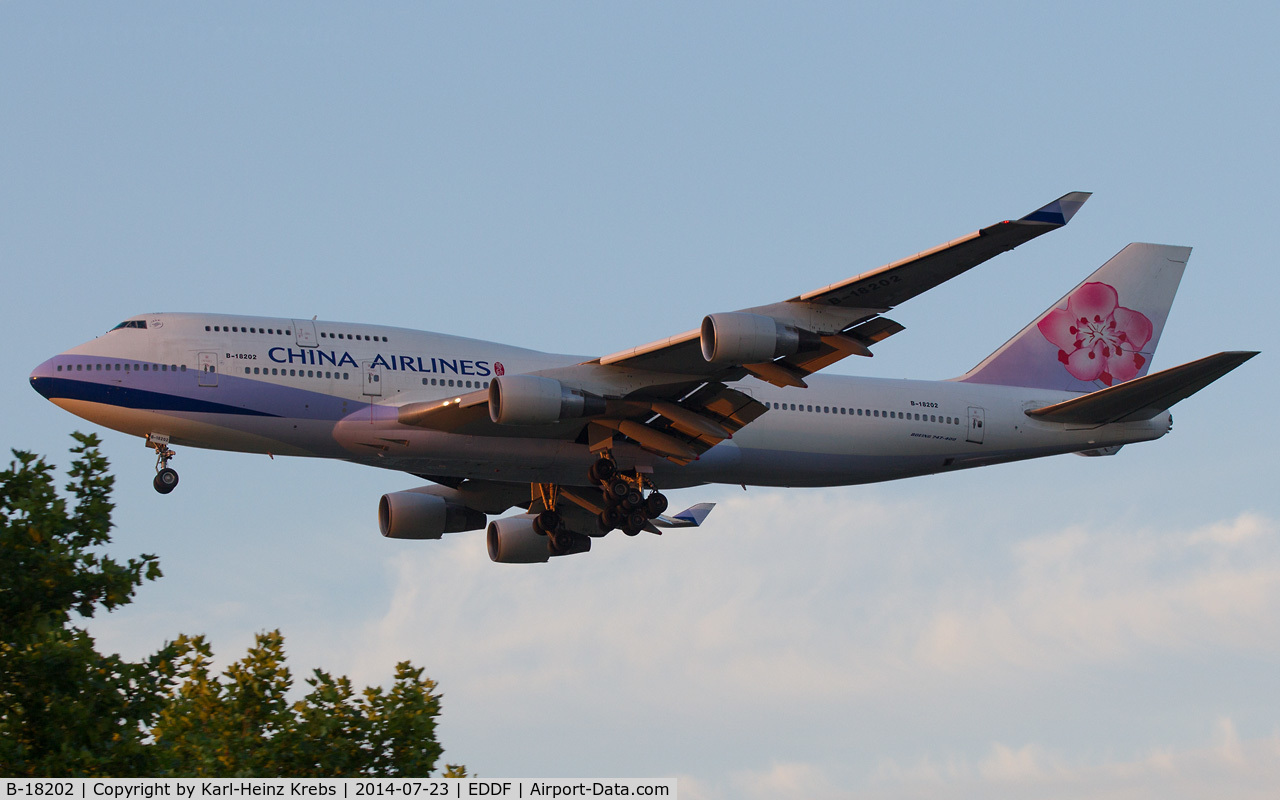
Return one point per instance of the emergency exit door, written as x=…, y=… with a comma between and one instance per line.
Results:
x=976, y=425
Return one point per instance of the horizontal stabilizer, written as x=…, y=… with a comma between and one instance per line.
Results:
x=1145, y=397
x=691, y=517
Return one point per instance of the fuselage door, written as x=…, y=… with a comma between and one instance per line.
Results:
x=976, y=423
x=208, y=370
x=372, y=378
x=305, y=332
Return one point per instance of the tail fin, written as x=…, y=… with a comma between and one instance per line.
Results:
x=1102, y=333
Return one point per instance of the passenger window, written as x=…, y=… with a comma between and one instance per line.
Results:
x=206, y=327
x=346, y=376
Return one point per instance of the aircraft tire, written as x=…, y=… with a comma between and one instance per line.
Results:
x=603, y=526
x=635, y=523
x=166, y=480
x=655, y=505
x=614, y=517
x=546, y=522
x=617, y=490
x=602, y=471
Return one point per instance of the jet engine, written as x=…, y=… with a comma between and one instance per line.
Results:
x=420, y=514
x=741, y=338
x=534, y=400
x=514, y=541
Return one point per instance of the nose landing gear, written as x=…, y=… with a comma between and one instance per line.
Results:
x=166, y=479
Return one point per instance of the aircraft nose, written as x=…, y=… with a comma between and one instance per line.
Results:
x=42, y=379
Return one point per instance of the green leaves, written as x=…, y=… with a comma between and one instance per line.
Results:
x=67, y=710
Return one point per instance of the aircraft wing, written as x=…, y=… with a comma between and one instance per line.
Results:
x=845, y=316
x=671, y=397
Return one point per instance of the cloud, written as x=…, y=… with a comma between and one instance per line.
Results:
x=1225, y=766
x=1105, y=595
x=867, y=597
x=827, y=618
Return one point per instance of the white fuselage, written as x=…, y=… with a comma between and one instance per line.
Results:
x=330, y=390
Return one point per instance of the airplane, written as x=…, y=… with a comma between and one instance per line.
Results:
x=586, y=445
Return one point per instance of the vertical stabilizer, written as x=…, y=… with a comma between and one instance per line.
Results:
x=1102, y=333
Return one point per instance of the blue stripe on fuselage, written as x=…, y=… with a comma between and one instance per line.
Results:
x=125, y=397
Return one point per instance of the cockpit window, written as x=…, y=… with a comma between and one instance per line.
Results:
x=131, y=323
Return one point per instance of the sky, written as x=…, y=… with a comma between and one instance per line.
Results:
x=586, y=177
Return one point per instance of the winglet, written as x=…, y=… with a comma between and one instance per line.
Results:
x=1060, y=211
x=691, y=517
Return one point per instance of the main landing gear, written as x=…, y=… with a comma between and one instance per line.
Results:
x=626, y=505
x=630, y=501
x=166, y=479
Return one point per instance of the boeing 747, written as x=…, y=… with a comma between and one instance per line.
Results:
x=586, y=445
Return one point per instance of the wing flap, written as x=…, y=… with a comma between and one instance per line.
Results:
x=1145, y=397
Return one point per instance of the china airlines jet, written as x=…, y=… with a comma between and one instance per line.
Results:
x=583, y=446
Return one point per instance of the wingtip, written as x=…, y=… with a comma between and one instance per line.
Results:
x=1060, y=211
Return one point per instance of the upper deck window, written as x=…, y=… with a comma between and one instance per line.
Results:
x=131, y=323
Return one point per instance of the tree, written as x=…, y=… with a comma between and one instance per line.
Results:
x=67, y=710
x=64, y=708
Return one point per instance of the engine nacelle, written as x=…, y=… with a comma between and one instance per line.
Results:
x=422, y=515
x=535, y=400
x=514, y=541
x=741, y=338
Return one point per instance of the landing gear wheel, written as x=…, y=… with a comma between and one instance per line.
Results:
x=614, y=517
x=602, y=471
x=166, y=480
x=655, y=505
x=603, y=526
x=546, y=522
x=635, y=523
x=617, y=490
x=633, y=499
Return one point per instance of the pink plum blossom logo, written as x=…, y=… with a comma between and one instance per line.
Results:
x=498, y=368
x=1097, y=338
